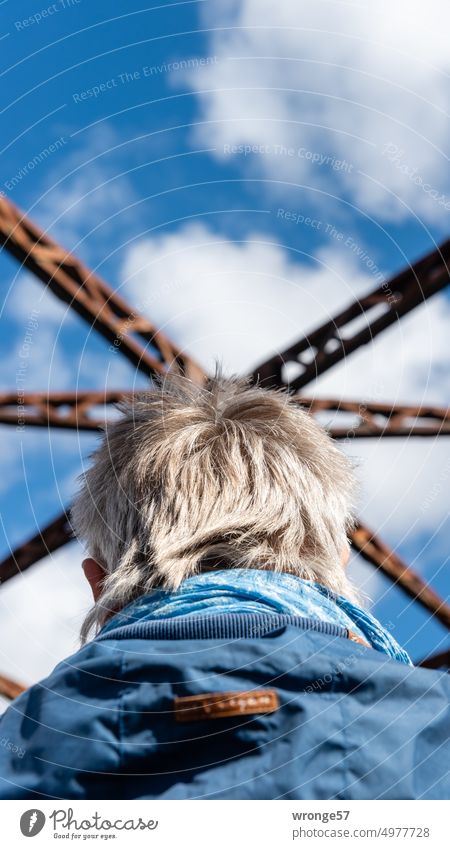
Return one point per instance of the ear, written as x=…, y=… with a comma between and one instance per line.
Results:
x=95, y=575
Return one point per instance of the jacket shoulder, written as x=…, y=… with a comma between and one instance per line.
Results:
x=62, y=732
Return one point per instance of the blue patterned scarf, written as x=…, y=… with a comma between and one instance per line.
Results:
x=255, y=591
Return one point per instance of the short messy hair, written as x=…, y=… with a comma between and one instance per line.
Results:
x=215, y=476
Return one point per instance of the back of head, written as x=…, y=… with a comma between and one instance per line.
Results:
x=193, y=478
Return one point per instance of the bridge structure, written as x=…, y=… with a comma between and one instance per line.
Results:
x=150, y=351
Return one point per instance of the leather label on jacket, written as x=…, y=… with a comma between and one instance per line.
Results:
x=217, y=705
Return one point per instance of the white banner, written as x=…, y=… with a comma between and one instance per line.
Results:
x=223, y=824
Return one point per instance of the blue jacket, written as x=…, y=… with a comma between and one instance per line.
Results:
x=334, y=720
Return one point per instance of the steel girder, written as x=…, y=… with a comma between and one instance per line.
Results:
x=80, y=411
x=436, y=661
x=131, y=333
x=47, y=540
x=140, y=341
x=376, y=552
x=330, y=343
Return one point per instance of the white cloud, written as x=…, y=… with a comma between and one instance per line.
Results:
x=27, y=295
x=40, y=615
x=242, y=302
x=340, y=79
x=405, y=485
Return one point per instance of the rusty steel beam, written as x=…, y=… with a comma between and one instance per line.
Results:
x=137, y=338
x=69, y=410
x=376, y=552
x=436, y=661
x=330, y=343
x=10, y=689
x=79, y=410
x=153, y=353
x=374, y=419
x=47, y=540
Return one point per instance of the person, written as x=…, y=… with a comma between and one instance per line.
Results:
x=227, y=653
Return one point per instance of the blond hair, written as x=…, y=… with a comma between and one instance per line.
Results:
x=193, y=478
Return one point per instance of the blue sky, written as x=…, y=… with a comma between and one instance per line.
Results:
x=241, y=170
